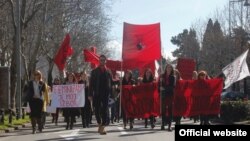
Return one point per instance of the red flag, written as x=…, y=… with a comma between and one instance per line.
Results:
x=64, y=52
x=93, y=49
x=93, y=58
x=115, y=65
x=90, y=57
x=141, y=42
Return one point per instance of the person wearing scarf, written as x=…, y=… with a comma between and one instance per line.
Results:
x=100, y=89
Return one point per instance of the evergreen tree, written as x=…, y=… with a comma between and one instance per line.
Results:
x=213, y=49
x=187, y=43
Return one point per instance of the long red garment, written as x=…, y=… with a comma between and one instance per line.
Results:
x=64, y=52
x=141, y=42
x=141, y=101
x=196, y=97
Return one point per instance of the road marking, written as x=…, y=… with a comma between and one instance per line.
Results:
x=122, y=131
x=72, y=135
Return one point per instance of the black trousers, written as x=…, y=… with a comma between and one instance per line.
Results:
x=86, y=114
x=167, y=106
x=36, y=106
x=101, y=109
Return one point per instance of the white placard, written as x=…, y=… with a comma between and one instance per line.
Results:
x=72, y=95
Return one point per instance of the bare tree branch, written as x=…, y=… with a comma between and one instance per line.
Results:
x=12, y=14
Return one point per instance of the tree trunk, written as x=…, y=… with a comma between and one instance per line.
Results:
x=13, y=77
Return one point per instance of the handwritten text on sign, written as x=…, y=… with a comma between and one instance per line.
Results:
x=68, y=95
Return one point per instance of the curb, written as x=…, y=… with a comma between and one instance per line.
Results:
x=247, y=122
x=11, y=129
x=2, y=131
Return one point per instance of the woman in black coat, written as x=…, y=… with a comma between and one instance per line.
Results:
x=167, y=83
x=35, y=97
x=86, y=110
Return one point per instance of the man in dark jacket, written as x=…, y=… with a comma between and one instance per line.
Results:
x=100, y=89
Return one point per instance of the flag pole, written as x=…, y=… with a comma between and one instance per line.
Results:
x=161, y=70
x=121, y=90
x=160, y=81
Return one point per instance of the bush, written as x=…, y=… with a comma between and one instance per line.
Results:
x=234, y=111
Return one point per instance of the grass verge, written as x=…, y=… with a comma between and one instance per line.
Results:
x=15, y=122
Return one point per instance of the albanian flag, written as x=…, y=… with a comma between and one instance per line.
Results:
x=141, y=42
x=91, y=57
x=64, y=52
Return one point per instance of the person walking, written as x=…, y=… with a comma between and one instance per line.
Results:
x=70, y=113
x=86, y=110
x=100, y=88
x=55, y=115
x=127, y=80
x=148, y=77
x=35, y=98
x=167, y=83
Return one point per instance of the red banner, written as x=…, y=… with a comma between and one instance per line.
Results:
x=196, y=97
x=64, y=52
x=93, y=58
x=141, y=42
x=141, y=101
x=186, y=67
x=115, y=65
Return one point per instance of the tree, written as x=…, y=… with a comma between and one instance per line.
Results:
x=188, y=45
x=213, y=49
x=44, y=23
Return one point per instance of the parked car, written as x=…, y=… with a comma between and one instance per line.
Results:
x=233, y=95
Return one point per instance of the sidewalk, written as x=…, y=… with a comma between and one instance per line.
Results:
x=16, y=127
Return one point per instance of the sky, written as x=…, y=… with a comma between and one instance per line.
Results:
x=173, y=15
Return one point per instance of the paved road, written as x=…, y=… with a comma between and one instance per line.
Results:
x=115, y=133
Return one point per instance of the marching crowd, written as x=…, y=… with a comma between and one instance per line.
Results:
x=100, y=87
